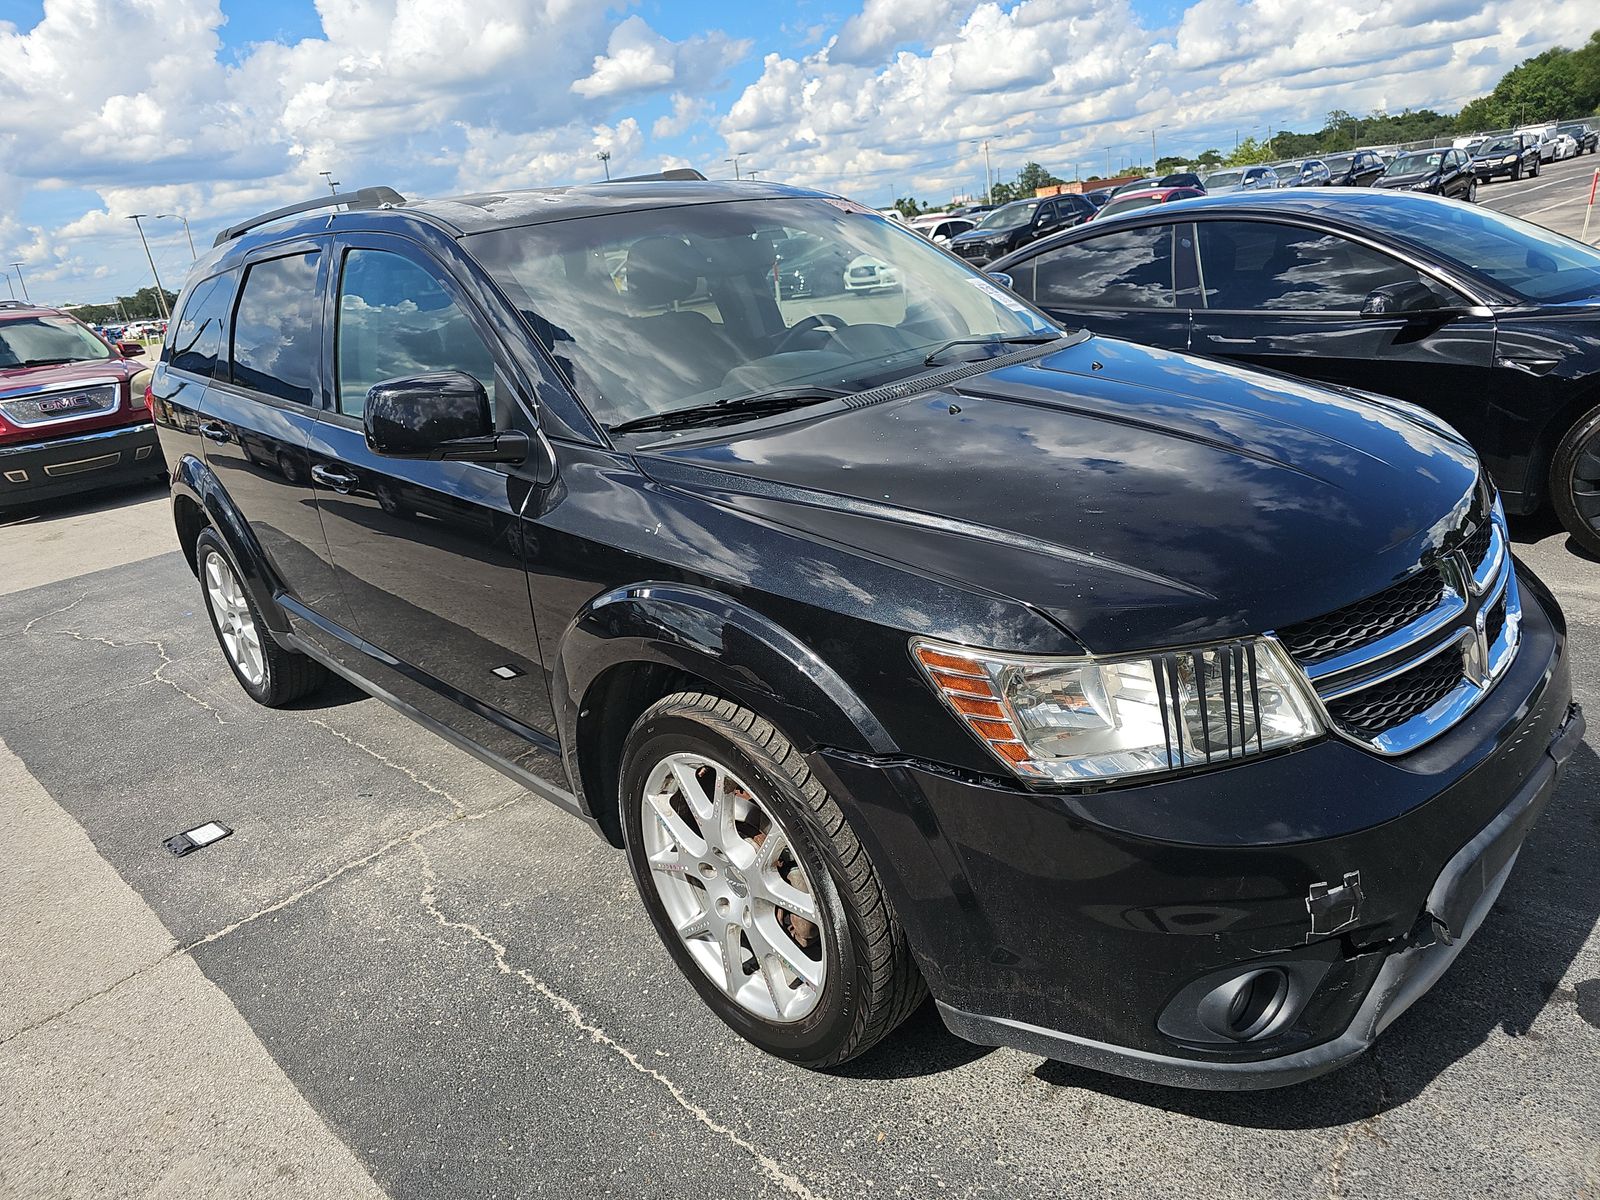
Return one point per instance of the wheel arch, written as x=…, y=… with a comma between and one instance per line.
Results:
x=199, y=502
x=634, y=645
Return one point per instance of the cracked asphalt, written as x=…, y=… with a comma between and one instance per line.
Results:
x=458, y=981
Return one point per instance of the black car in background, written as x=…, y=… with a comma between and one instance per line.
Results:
x=1154, y=715
x=1445, y=172
x=1100, y=197
x=1183, y=179
x=1587, y=137
x=1309, y=172
x=1016, y=224
x=1358, y=169
x=1511, y=155
x=1489, y=321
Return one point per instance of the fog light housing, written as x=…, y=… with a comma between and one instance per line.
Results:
x=1246, y=1006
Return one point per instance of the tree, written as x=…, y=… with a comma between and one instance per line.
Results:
x=908, y=206
x=1004, y=193
x=1032, y=177
x=141, y=306
x=1250, y=152
x=1209, y=158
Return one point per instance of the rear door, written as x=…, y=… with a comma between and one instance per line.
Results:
x=1287, y=296
x=260, y=410
x=429, y=554
x=1124, y=282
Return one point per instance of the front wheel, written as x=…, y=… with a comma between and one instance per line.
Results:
x=1472, y=192
x=1575, y=481
x=757, y=885
x=1516, y=173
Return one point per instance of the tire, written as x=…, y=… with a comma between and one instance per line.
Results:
x=268, y=673
x=1516, y=173
x=1575, y=481
x=864, y=982
x=1537, y=164
x=1472, y=192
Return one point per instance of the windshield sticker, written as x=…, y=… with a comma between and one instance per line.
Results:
x=849, y=206
x=1000, y=296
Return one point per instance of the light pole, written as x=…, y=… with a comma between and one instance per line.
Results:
x=751, y=174
x=605, y=161
x=23, y=282
x=1107, y=149
x=333, y=184
x=1152, y=133
x=988, y=171
x=185, y=220
x=9, y=288
x=161, y=294
x=738, y=154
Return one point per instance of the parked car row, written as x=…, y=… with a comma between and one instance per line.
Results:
x=1157, y=712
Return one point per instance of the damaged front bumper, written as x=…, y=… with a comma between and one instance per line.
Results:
x=1244, y=928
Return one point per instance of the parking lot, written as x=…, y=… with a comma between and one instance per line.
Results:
x=402, y=974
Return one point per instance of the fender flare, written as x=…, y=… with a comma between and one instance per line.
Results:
x=195, y=481
x=743, y=654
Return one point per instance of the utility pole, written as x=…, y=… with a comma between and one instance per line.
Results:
x=161, y=293
x=605, y=161
x=185, y=220
x=23, y=282
x=751, y=174
x=735, y=161
x=9, y=288
x=988, y=171
x=333, y=184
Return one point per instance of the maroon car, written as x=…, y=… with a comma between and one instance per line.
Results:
x=1144, y=198
x=71, y=417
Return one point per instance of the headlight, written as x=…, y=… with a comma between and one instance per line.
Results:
x=1104, y=718
x=1508, y=160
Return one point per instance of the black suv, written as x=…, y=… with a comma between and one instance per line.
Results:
x=1014, y=225
x=1153, y=714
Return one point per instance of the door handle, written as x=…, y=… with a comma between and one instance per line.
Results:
x=1529, y=366
x=338, y=481
x=215, y=430
x=1231, y=341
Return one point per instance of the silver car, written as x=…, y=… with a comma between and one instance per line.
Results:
x=1240, y=179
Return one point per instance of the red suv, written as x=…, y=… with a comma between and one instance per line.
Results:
x=71, y=417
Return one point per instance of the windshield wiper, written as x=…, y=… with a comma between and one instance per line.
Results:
x=1020, y=339
x=757, y=404
x=50, y=362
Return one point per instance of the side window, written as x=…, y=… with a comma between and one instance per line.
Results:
x=276, y=327
x=1130, y=269
x=395, y=318
x=196, y=337
x=1256, y=265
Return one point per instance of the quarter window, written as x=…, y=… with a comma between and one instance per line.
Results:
x=276, y=326
x=1255, y=265
x=197, y=333
x=1129, y=269
x=396, y=319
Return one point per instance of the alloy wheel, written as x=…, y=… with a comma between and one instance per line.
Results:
x=235, y=625
x=728, y=877
x=1584, y=481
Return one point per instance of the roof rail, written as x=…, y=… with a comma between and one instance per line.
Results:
x=15, y=304
x=674, y=173
x=371, y=197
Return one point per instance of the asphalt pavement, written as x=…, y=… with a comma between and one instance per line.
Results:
x=403, y=974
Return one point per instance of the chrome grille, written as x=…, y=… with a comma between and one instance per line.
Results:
x=1397, y=669
x=1366, y=620
x=54, y=403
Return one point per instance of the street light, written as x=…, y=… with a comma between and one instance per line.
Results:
x=1152, y=133
x=161, y=294
x=333, y=184
x=605, y=161
x=988, y=173
x=738, y=154
x=185, y=220
x=23, y=282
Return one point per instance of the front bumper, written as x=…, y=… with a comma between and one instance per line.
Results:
x=33, y=471
x=1078, y=926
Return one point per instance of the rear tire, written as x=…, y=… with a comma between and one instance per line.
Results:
x=690, y=759
x=268, y=673
x=1575, y=481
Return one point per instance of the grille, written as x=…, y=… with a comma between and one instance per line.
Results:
x=1477, y=546
x=1378, y=709
x=1495, y=622
x=61, y=404
x=1367, y=620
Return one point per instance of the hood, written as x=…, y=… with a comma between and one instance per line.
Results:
x=1140, y=498
x=985, y=235
x=17, y=378
x=1407, y=180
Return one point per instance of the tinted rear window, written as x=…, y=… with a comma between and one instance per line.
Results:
x=275, y=328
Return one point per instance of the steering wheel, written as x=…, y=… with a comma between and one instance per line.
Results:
x=806, y=325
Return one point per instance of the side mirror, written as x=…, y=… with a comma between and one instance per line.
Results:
x=1001, y=278
x=439, y=415
x=1399, y=299
x=129, y=349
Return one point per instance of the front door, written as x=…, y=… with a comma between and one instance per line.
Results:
x=1119, y=283
x=258, y=413
x=429, y=554
x=1289, y=297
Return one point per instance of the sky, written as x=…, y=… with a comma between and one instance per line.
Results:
x=218, y=109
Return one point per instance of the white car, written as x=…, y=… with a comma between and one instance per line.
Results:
x=868, y=274
x=942, y=228
x=1566, y=146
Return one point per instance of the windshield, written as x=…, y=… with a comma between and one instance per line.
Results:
x=1503, y=146
x=39, y=341
x=654, y=311
x=1010, y=216
x=1572, y=130
x=1528, y=260
x=1124, y=204
x=1340, y=163
x=1416, y=164
x=1223, y=179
